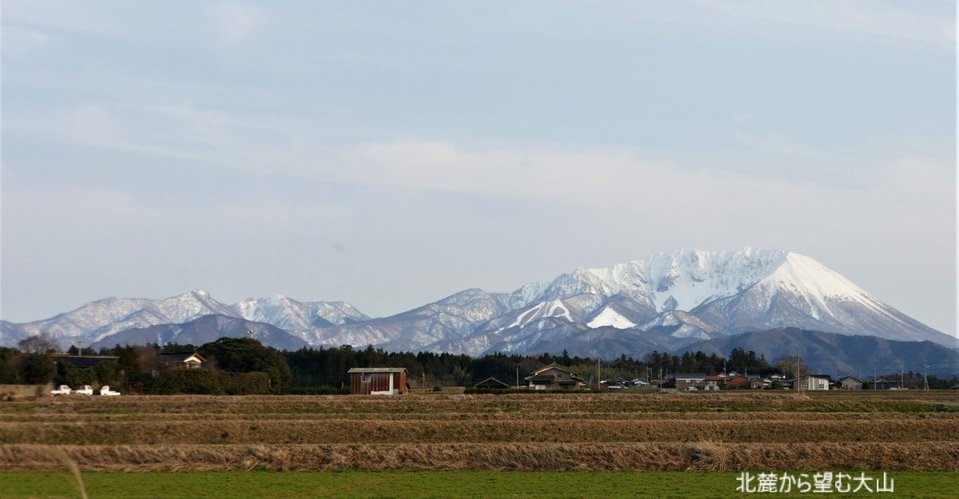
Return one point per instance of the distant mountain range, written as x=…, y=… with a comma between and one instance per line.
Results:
x=836, y=353
x=665, y=302
x=127, y=320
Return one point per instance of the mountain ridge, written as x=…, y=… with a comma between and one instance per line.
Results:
x=666, y=300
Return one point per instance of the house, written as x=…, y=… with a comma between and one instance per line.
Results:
x=555, y=377
x=188, y=360
x=850, y=383
x=378, y=381
x=812, y=382
x=685, y=381
x=492, y=383
x=713, y=382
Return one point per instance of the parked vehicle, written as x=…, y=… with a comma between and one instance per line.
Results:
x=63, y=390
x=86, y=390
x=107, y=392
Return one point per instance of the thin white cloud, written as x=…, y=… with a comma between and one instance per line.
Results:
x=19, y=42
x=232, y=22
x=882, y=19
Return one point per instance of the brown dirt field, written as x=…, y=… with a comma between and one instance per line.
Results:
x=727, y=431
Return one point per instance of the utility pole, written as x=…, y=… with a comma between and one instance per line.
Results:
x=925, y=374
x=598, y=376
x=517, y=377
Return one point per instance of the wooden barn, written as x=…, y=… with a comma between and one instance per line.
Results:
x=378, y=381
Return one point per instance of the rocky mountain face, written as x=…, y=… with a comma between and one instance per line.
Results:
x=664, y=302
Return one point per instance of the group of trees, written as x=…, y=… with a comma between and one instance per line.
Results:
x=236, y=366
x=329, y=366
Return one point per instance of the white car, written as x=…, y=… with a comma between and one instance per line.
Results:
x=107, y=392
x=86, y=390
x=63, y=390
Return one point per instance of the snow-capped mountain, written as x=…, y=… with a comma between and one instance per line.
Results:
x=687, y=296
x=97, y=320
x=111, y=315
x=292, y=315
x=664, y=301
x=450, y=318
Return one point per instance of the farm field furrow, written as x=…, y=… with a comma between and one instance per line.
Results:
x=863, y=402
x=487, y=416
x=214, y=431
x=709, y=432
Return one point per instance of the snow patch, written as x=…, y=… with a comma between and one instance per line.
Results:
x=610, y=317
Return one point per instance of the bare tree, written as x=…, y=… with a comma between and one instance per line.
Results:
x=41, y=343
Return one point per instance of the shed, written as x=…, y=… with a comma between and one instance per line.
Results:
x=883, y=384
x=813, y=382
x=378, y=381
x=493, y=383
x=850, y=383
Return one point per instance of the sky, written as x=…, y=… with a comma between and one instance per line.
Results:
x=389, y=154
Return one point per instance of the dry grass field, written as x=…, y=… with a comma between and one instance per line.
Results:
x=890, y=431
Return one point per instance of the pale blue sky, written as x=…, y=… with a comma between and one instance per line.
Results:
x=391, y=153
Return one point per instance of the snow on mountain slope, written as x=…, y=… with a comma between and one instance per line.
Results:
x=452, y=317
x=96, y=320
x=293, y=315
x=610, y=317
x=202, y=330
x=681, y=280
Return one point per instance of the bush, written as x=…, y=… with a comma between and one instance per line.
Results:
x=198, y=381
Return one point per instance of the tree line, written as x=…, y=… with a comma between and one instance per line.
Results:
x=246, y=366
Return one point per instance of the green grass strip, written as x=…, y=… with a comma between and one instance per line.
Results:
x=276, y=485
